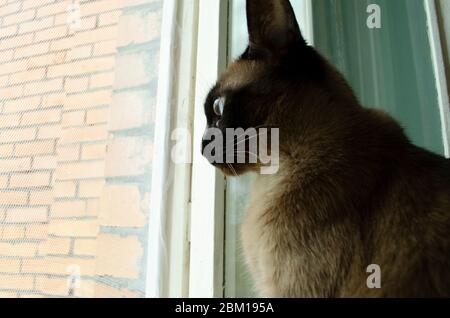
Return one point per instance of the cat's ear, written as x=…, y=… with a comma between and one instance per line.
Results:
x=272, y=25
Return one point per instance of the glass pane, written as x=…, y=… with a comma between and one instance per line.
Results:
x=389, y=68
x=237, y=279
x=76, y=132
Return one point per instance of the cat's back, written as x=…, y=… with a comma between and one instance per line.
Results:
x=411, y=232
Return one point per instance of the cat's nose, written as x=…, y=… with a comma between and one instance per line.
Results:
x=204, y=144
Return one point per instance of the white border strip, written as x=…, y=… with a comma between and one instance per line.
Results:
x=157, y=245
x=439, y=71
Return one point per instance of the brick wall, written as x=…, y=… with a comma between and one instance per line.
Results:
x=76, y=128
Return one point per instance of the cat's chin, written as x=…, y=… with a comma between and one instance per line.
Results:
x=233, y=170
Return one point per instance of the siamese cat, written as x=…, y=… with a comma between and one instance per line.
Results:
x=351, y=189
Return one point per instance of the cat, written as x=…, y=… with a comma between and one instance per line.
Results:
x=351, y=189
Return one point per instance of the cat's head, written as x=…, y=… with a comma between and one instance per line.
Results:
x=262, y=87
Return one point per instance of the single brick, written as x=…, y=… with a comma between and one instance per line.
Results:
x=105, y=48
x=81, y=170
x=4, y=80
x=12, y=233
x=15, y=165
x=55, y=246
x=62, y=44
x=68, y=209
x=6, y=150
x=92, y=207
x=45, y=60
x=60, y=287
x=64, y=189
x=19, y=17
x=50, y=34
x=14, y=135
x=109, y=18
x=68, y=153
x=105, y=291
x=53, y=9
x=76, y=84
x=85, y=247
x=13, y=198
x=49, y=132
x=41, y=117
x=28, y=4
x=139, y=27
x=91, y=188
x=128, y=156
x=35, y=148
x=27, y=76
x=136, y=113
x=9, y=266
x=18, y=250
x=84, y=134
x=82, y=67
x=93, y=151
x=88, y=100
x=6, y=56
x=93, y=8
x=80, y=52
x=74, y=228
x=17, y=282
x=61, y=18
x=3, y=183
x=120, y=206
x=135, y=69
x=30, y=180
x=11, y=92
x=36, y=231
x=41, y=198
x=43, y=87
x=7, y=121
x=8, y=31
x=9, y=9
x=94, y=36
x=36, y=25
x=119, y=256
x=31, y=50
x=13, y=67
x=22, y=104
x=59, y=266
x=26, y=215
x=45, y=162
x=88, y=23
x=97, y=116
x=102, y=80
x=53, y=100
x=71, y=119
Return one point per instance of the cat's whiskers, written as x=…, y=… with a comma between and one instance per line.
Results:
x=232, y=169
x=246, y=139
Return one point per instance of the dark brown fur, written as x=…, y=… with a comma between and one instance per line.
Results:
x=351, y=191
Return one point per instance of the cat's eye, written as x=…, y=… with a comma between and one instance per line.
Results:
x=219, y=106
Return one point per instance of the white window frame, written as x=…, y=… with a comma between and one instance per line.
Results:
x=208, y=185
x=186, y=227
x=439, y=71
